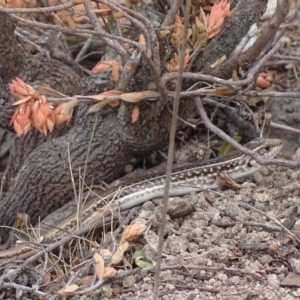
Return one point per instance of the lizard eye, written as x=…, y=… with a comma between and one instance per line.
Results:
x=267, y=148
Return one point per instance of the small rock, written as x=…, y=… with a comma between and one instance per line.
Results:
x=149, y=205
x=296, y=228
x=213, y=212
x=193, y=247
x=264, y=171
x=255, y=266
x=245, y=192
x=145, y=214
x=273, y=247
x=257, y=177
x=117, y=289
x=197, y=232
x=129, y=281
x=297, y=293
x=191, y=296
x=179, y=207
x=239, y=197
x=147, y=287
x=106, y=291
x=170, y=287
x=232, y=210
x=261, y=197
x=221, y=276
x=291, y=280
x=201, y=261
x=265, y=259
x=295, y=264
x=147, y=279
x=176, y=245
x=209, y=263
x=234, y=280
x=296, y=156
x=157, y=201
x=220, y=254
x=273, y=281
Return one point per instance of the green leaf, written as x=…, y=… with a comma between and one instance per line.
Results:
x=140, y=261
x=143, y=264
x=226, y=148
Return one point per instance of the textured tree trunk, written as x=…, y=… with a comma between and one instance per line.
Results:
x=44, y=182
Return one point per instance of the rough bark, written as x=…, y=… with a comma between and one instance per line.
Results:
x=39, y=71
x=36, y=70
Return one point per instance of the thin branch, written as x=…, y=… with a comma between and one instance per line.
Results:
x=202, y=77
x=162, y=90
x=284, y=127
x=198, y=92
x=172, y=11
x=113, y=44
x=146, y=27
x=153, y=37
x=286, y=57
x=171, y=150
x=246, y=223
x=227, y=138
x=152, y=10
x=37, y=10
x=102, y=34
x=129, y=70
x=84, y=49
x=269, y=94
x=134, y=21
x=26, y=289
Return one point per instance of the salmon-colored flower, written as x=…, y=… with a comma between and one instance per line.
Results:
x=59, y=117
x=34, y=110
x=213, y=21
x=20, y=89
x=21, y=119
x=133, y=232
x=102, y=66
x=264, y=80
x=42, y=115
